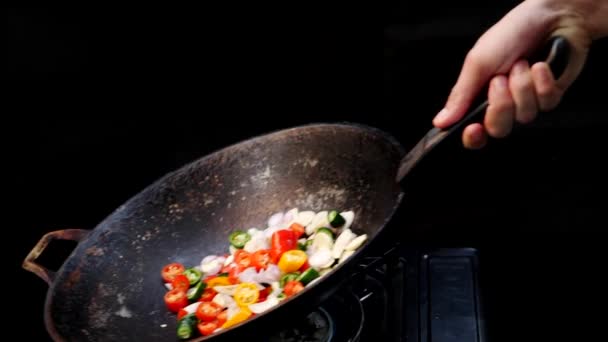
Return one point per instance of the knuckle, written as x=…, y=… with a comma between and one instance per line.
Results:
x=477, y=60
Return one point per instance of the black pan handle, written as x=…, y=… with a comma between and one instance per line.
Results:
x=557, y=51
x=30, y=264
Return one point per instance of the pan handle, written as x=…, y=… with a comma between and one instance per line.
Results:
x=30, y=264
x=558, y=55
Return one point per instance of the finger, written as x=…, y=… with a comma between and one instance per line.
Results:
x=547, y=92
x=474, y=137
x=522, y=89
x=501, y=108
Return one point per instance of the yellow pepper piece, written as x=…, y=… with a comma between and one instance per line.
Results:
x=218, y=281
x=239, y=317
x=291, y=261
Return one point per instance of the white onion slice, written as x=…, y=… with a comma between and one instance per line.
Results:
x=320, y=220
x=260, y=307
x=289, y=218
x=275, y=219
x=341, y=242
x=271, y=274
x=356, y=243
x=224, y=300
x=349, y=217
x=305, y=217
x=190, y=309
x=226, y=289
x=249, y=275
x=320, y=258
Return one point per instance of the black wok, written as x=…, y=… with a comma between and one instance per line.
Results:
x=110, y=289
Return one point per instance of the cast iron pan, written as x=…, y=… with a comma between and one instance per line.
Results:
x=110, y=288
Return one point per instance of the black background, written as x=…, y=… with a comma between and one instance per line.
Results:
x=103, y=101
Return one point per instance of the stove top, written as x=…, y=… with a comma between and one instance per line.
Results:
x=401, y=295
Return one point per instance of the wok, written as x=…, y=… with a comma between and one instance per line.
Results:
x=110, y=289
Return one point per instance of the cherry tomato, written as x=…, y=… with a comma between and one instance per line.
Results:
x=208, y=311
x=233, y=271
x=172, y=270
x=304, y=267
x=181, y=314
x=293, y=287
x=264, y=294
x=181, y=282
x=261, y=259
x=176, y=299
x=242, y=258
x=207, y=328
x=282, y=241
x=222, y=317
x=298, y=229
x=207, y=295
x=292, y=260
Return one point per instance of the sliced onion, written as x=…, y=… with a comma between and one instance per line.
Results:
x=275, y=219
x=341, y=242
x=345, y=256
x=226, y=289
x=169, y=286
x=356, y=243
x=271, y=274
x=229, y=260
x=253, y=231
x=224, y=300
x=349, y=217
x=258, y=241
x=232, y=310
x=260, y=307
x=192, y=307
x=289, y=218
x=249, y=275
x=320, y=220
x=269, y=231
x=208, y=259
x=305, y=217
x=320, y=258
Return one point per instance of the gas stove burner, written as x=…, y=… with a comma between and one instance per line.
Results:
x=339, y=319
x=318, y=326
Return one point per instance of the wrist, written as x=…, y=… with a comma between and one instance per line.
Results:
x=590, y=15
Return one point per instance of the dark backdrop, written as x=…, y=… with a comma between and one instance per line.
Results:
x=85, y=83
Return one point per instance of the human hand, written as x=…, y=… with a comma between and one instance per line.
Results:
x=518, y=91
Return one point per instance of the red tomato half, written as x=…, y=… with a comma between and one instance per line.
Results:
x=293, y=287
x=181, y=314
x=242, y=259
x=208, y=311
x=305, y=266
x=264, y=294
x=222, y=318
x=181, y=282
x=298, y=229
x=176, y=299
x=207, y=295
x=171, y=271
x=261, y=259
x=207, y=328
